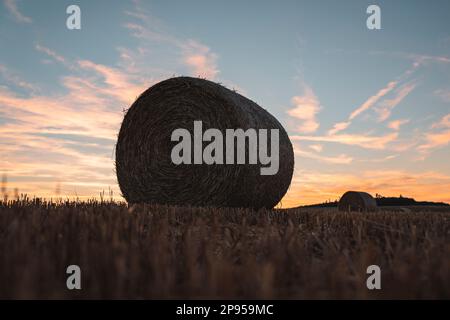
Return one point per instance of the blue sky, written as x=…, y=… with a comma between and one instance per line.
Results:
x=365, y=109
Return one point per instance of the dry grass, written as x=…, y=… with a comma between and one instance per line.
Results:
x=170, y=252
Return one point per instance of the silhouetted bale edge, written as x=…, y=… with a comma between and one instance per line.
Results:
x=357, y=201
x=144, y=168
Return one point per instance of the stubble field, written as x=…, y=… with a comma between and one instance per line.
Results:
x=149, y=251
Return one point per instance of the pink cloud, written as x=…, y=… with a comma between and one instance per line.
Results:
x=396, y=124
x=443, y=123
x=437, y=137
x=435, y=140
x=200, y=59
x=339, y=127
x=118, y=84
x=305, y=109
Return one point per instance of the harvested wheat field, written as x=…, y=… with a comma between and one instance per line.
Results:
x=181, y=252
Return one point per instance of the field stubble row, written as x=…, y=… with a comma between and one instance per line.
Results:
x=151, y=251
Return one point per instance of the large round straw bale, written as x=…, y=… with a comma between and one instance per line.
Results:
x=357, y=201
x=146, y=173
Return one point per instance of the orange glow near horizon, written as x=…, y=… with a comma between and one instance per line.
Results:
x=311, y=188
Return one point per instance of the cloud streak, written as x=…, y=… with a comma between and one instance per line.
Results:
x=396, y=124
x=16, y=80
x=12, y=7
x=385, y=108
x=443, y=94
x=50, y=53
x=373, y=99
x=363, y=141
x=369, y=103
x=435, y=140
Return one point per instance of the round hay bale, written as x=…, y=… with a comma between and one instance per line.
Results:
x=357, y=201
x=146, y=173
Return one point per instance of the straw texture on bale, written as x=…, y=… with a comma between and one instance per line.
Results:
x=144, y=168
x=357, y=201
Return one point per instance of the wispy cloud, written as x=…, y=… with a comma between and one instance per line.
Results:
x=379, y=160
x=200, y=59
x=50, y=53
x=438, y=137
x=363, y=141
x=340, y=159
x=316, y=147
x=385, y=108
x=305, y=110
x=417, y=59
x=196, y=56
x=339, y=127
x=435, y=140
x=116, y=83
x=369, y=103
x=12, y=6
x=444, y=94
x=16, y=80
x=422, y=58
x=396, y=124
x=443, y=123
x=373, y=99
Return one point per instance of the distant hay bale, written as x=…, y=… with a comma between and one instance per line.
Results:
x=357, y=201
x=144, y=168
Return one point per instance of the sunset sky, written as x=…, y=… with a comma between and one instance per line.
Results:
x=366, y=110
